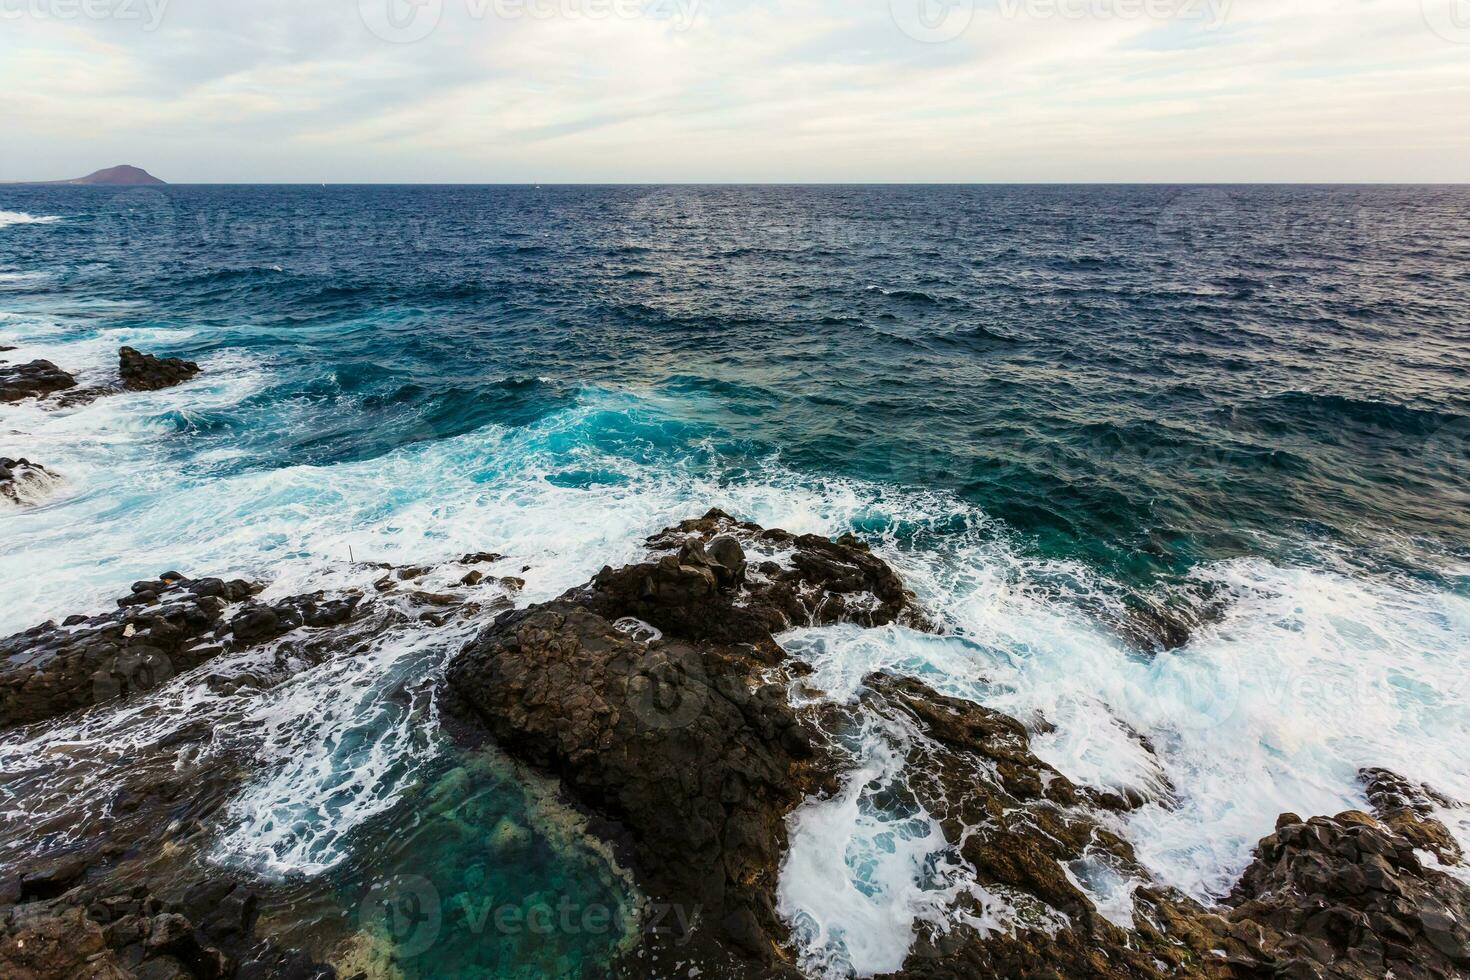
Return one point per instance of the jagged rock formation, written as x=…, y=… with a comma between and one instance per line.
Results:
x=646, y=691
x=102, y=934
x=38, y=379
x=660, y=698
x=145, y=372
x=1408, y=810
x=118, y=886
x=161, y=628
x=136, y=372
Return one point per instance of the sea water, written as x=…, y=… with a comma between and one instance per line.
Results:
x=1060, y=412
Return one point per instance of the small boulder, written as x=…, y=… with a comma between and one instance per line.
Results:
x=38, y=379
x=145, y=372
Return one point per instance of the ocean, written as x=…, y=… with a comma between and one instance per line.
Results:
x=1183, y=464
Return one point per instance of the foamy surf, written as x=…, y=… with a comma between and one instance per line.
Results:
x=860, y=878
x=1311, y=672
x=8, y=218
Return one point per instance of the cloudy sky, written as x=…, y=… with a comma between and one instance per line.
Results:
x=738, y=90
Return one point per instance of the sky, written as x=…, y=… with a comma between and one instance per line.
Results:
x=737, y=90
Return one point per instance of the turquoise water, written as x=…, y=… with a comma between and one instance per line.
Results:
x=1052, y=408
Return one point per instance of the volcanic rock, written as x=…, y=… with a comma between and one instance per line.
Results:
x=160, y=629
x=659, y=697
x=37, y=379
x=145, y=372
x=111, y=932
x=1408, y=809
x=648, y=692
x=24, y=482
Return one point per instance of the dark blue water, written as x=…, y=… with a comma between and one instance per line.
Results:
x=1142, y=376
x=1052, y=405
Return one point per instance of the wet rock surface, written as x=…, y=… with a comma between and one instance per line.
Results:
x=172, y=624
x=658, y=695
x=145, y=372
x=137, y=371
x=120, y=885
x=1408, y=809
x=1348, y=897
x=107, y=934
x=38, y=379
x=704, y=588
x=161, y=628
x=647, y=692
x=24, y=482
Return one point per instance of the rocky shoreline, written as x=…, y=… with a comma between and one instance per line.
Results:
x=658, y=695
x=659, y=699
x=45, y=382
x=23, y=482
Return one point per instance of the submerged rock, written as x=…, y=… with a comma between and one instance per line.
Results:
x=37, y=379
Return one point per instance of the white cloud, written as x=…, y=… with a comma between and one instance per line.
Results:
x=779, y=90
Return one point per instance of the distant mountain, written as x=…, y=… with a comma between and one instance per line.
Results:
x=123, y=176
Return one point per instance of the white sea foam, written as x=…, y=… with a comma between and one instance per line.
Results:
x=336, y=748
x=1310, y=676
x=860, y=879
x=8, y=218
x=1312, y=673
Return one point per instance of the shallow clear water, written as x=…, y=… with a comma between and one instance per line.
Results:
x=1052, y=407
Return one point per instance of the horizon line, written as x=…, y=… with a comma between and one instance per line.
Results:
x=1461, y=182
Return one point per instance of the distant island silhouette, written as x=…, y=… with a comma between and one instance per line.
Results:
x=120, y=176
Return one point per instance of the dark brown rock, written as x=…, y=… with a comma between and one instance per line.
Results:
x=161, y=628
x=145, y=372
x=24, y=482
x=1408, y=809
x=682, y=738
x=38, y=379
x=127, y=933
x=1347, y=896
x=659, y=697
